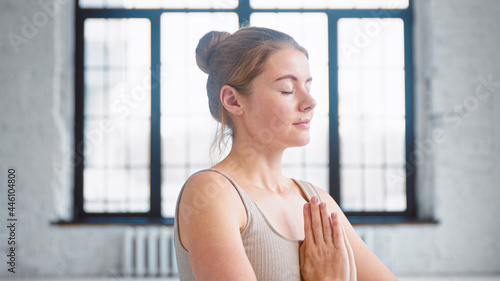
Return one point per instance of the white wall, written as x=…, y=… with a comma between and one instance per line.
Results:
x=455, y=48
x=36, y=123
x=458, y=137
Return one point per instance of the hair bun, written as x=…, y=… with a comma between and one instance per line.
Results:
x=206, y=47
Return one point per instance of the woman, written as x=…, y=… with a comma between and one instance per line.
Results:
x=242, y=219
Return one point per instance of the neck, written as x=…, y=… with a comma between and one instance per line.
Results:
x=255, y=163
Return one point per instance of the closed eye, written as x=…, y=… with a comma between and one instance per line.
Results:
x=287, y=92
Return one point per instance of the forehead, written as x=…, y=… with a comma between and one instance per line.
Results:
x=287, y=61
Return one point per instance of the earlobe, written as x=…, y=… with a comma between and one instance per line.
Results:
x=229, y=98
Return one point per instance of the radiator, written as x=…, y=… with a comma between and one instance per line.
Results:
x=149, y=251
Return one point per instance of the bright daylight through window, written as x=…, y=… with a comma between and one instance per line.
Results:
x=144, y=123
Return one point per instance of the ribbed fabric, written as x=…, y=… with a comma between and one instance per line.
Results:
x=273, y=256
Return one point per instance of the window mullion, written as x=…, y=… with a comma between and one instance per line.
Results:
x=79, y=109
x=409, y=132
x=155, y=199
x=244, y=12
x=333, y=108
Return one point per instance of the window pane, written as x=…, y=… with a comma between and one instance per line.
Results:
x=117, y=42
x=375, y=189
x=118, y=144
x=201, y=132
x=350, y=141
x=156, y=4
x=373, y=141
x=95, y=142
x=317, y=174
x=175, y=141
x=139, y=197
x=394, y=100
x=329, y=4
x=396, y=189
x=371, y=99
x=173, y=179
x=395, y=143
x=139, y=142
x=116, y=193
x=93, y=191
x=116, y=190
x=95, y=96
x=311, y=31
x=117, y=114
x=370, y=42
x=187, y=128
x=349, y=105
x=352, y=198
x=95, y=42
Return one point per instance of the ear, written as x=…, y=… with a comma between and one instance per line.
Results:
x=230, y=99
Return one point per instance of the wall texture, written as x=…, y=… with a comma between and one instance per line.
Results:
x=36, y=124
x=457, y=86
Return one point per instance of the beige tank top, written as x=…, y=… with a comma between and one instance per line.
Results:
x=274, y=257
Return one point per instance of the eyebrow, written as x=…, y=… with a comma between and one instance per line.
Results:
x=290, y=76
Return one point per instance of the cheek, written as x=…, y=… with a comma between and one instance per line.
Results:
x=273, y=113
x=279, y=119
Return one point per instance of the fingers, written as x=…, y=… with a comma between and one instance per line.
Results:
x=302, y=255
x=308, y=232
x=317, y=225
x=338, y=232
x=327, y=225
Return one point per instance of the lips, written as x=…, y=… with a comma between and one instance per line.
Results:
x=303, y=124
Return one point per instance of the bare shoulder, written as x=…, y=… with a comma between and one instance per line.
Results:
x=204, y=188
x=211, y=216
x=205, y=200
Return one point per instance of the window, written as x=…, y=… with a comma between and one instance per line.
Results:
x=142, y=120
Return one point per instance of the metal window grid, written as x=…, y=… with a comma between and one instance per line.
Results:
x=243, y=11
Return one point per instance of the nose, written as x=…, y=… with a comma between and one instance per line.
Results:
x=308, y=103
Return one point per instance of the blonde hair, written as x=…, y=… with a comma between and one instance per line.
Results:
x=235, y=60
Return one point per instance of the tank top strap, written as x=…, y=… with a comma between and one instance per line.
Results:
x=308, y=189
x=244, y=196
x=248, y=203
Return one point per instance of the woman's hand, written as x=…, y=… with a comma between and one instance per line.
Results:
x=325, y=253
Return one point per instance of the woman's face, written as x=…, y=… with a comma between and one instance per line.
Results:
x=279, y=109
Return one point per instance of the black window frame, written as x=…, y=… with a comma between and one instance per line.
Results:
x=244, y=10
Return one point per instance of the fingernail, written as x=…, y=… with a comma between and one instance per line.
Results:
x=334, y=215
x=314, y=199
x=322, y=205
x=306, y=206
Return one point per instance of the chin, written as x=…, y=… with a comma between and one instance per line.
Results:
x=302, y=141
x=295, y=140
